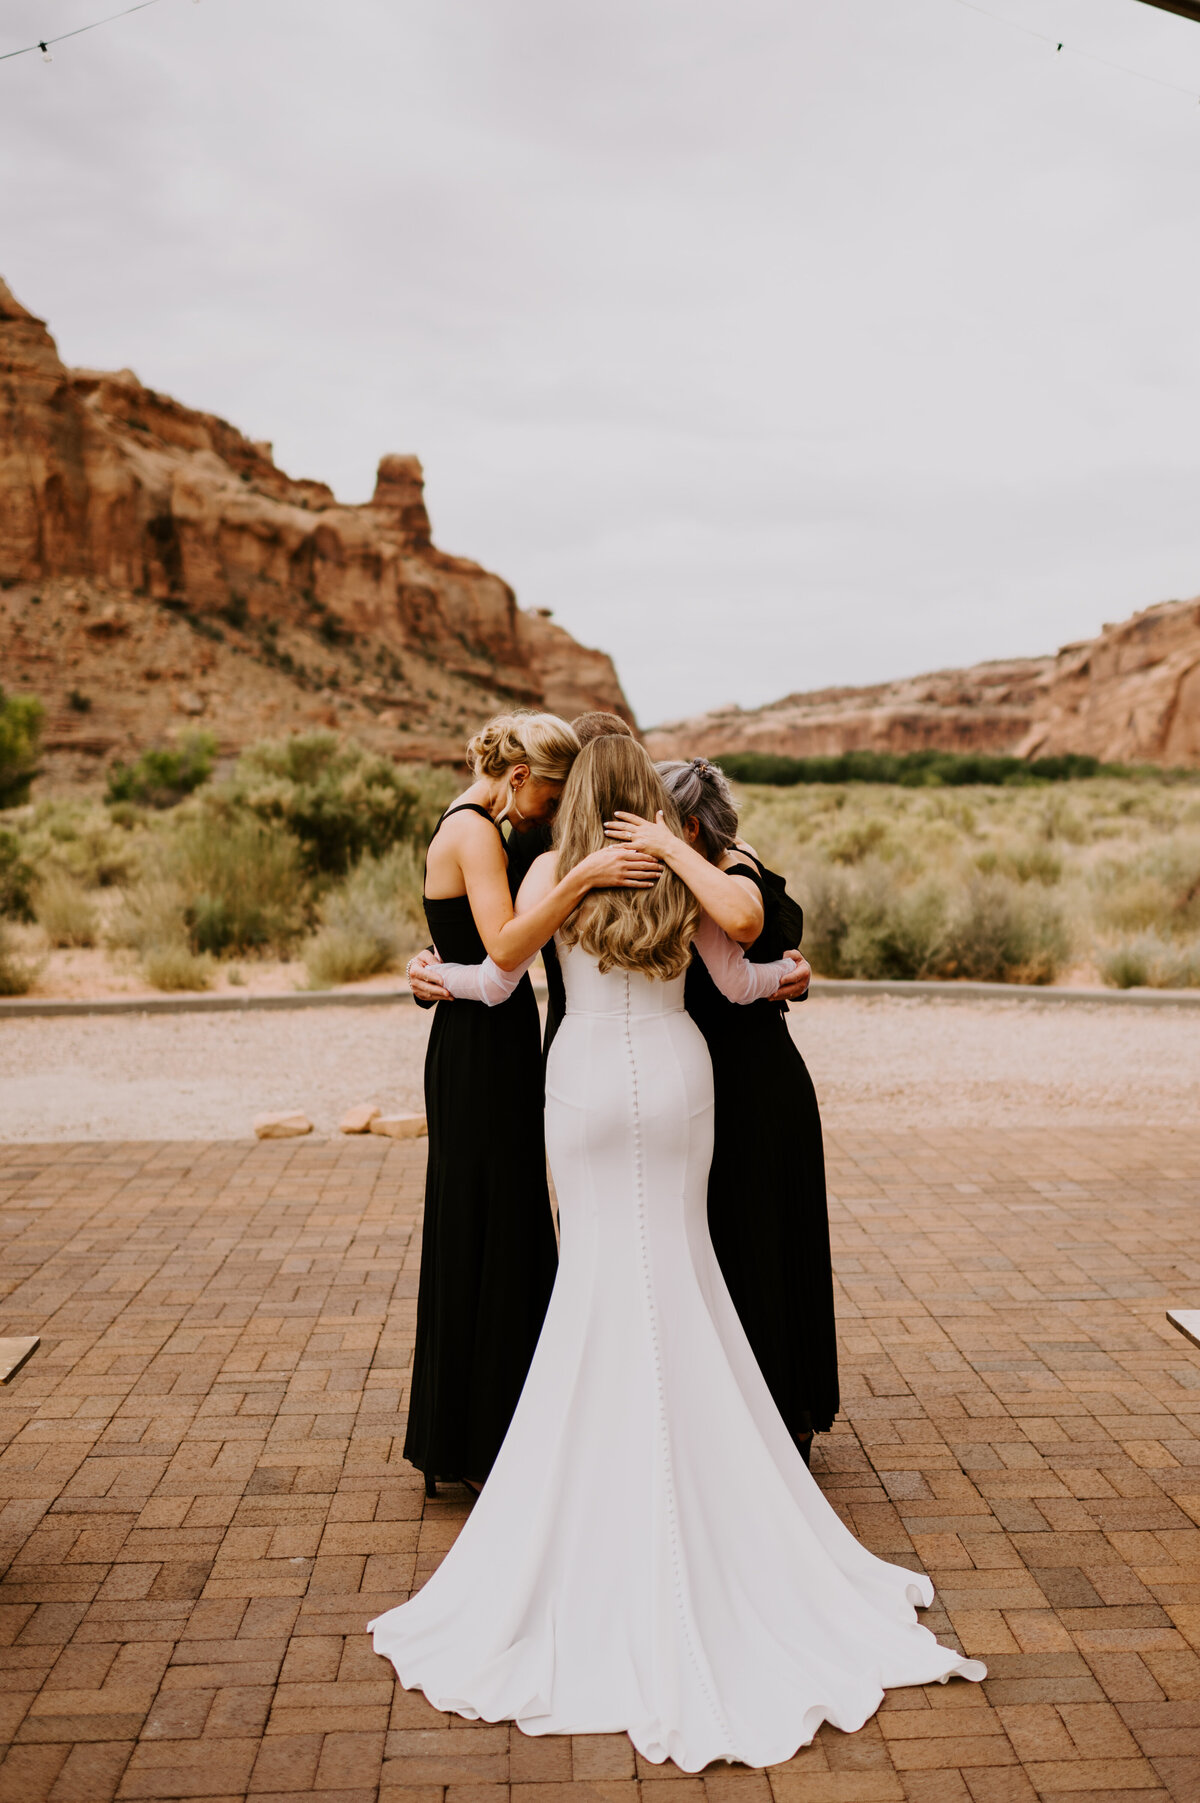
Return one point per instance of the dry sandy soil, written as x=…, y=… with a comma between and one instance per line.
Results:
x=878, y=1062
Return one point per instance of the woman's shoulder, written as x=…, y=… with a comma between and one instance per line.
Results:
x=466, y=821
x=736, y=861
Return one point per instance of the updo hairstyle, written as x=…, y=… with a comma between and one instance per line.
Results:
x=701, y=791
x=543, y=741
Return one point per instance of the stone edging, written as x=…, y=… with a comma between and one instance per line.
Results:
x=1008, y=992
x=205, y=1004
x=824, y=987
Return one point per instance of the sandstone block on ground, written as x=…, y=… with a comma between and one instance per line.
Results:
x=358, y=1120
x=282, y=1126
x=400, y=1126
x=14, y=1352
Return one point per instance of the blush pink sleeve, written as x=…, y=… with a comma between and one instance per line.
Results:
x=732, y=972
x=485, y=982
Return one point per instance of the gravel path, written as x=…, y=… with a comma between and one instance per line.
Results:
x=879, y=1063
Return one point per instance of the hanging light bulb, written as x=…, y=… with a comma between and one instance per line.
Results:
x=46, y=56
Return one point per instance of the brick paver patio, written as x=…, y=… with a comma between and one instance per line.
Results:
x=202, y=1498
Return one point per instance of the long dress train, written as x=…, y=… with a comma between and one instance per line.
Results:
x=650, y=1552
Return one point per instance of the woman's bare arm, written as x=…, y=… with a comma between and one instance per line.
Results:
x=732, y=901
x=510, y=939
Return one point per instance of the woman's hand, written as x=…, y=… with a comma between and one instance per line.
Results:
x=423, y=978
x=795, y=987
x=618, y=867
x=653, y=836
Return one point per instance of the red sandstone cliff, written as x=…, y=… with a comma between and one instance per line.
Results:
x=166, y=549
x=1131, y=695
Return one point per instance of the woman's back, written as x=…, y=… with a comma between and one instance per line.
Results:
x=621, y=994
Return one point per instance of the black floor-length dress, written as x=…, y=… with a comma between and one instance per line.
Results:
x=488, y=1256
x=767, y=1210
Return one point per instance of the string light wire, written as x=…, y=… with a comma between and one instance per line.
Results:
x=44, y=43
x=1090, y=56
x=1030, y=31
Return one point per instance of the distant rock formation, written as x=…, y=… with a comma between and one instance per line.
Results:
x=132, y=515
x=1132, y=695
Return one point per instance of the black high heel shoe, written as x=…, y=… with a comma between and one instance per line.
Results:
x=430, y=1485
x=804, y=1448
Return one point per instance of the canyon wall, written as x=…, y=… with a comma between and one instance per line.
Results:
x=140, y=523
x=1130, y=695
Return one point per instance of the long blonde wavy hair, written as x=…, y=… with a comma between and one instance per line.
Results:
x=646, y=930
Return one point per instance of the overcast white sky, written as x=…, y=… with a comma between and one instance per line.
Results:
x=771, y=343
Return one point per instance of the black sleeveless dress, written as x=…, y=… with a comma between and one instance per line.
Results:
x=488, y=1257
x=767, y=1211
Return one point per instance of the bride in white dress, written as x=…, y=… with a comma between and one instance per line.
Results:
x=650, y=1553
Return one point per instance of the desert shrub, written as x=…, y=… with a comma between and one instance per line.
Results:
x=858, y=840
x=999, y=932
x=1151, y=962
x=177, y=967
x=1057, y=819
x=242, y=884
x=1157, y=890
x=369, y=922
x=340, y=801
x=162, y=778
x=16, y=877
x=80, y=839
x=152, y=915
x=17, y=975
x=1029, y=862
x=869, y=926
x=21, y=719
x=64, y=911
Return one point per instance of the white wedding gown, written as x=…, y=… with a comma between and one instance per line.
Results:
x=650, y=1553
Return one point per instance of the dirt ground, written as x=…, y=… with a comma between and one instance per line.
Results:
x=878, y=1062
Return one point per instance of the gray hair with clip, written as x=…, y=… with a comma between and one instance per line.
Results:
x=701, y=791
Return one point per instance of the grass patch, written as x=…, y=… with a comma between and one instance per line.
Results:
x=17, y=975
x=64, y=911
x=177, y=968
x=1152, y=962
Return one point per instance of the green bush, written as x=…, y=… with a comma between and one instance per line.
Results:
x=911, y=769
x=21, y=719
x=162, y=778
x=16, y=877
x=339, y=800
x=64, y=911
